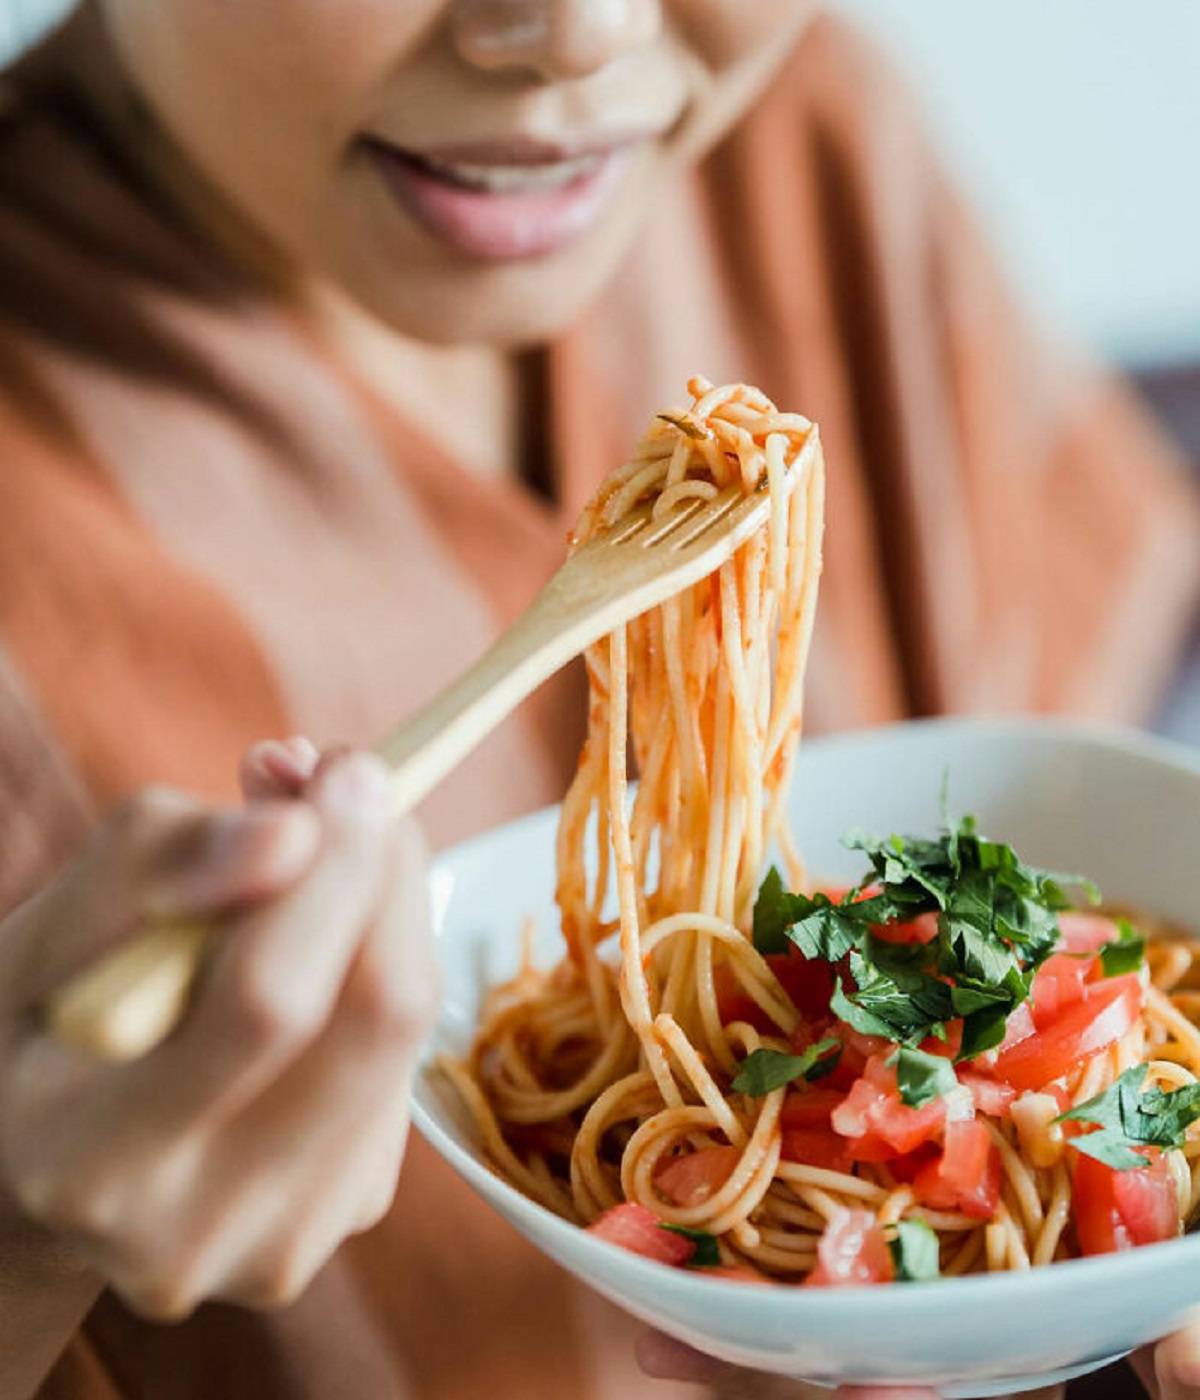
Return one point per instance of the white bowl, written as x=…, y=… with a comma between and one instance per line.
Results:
x=1119, y=807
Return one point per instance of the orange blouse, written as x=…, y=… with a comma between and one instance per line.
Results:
x=210, y=532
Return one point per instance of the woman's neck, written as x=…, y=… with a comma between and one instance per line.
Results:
x=467, y=398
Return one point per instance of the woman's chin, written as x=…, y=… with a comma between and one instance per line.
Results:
x=408, y=279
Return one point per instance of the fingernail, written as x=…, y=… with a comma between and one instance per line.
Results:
x=356, y=787
x=302, y=753
x=286, y=760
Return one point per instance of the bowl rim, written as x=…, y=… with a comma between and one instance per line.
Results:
x=1119, y=1269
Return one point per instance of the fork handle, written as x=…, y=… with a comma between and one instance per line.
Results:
x=131, y=999
x=424, y=749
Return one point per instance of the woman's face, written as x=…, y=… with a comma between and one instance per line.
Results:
x=468, y=170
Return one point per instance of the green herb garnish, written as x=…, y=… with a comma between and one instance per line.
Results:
x=915, y=1253
x=764, y=1070
x=1126, y=953
x=1128, y=1118
x=922, y=1078
x=707, y=1255
x=997, y=921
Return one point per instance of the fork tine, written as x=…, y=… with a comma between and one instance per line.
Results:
x=668, y=524
x=718, y=510
x=628, y=526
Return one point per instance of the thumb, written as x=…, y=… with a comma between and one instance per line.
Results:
x=161, y=857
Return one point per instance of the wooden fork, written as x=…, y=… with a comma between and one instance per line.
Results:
x=131, y=999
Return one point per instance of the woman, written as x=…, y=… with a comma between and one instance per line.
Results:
x=317, y=325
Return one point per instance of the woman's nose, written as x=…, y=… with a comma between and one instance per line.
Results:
x=555, y=38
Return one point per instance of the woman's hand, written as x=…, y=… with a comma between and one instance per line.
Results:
x=235, y=1158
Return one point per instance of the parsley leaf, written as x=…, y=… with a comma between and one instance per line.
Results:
x=996, y=922
x=706, y=1254
x=1128, y=1118
x=764, y=1070
x=1126, y=954
x=922, y=1077
x=915, y=1253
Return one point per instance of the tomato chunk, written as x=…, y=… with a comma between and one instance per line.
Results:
x=1085, y=933
x=966, y=1176
x=816, y=1147
x=989, y=1095
x=1108, y=1009
x=691, y=1179
x=1121, y=1210
x=1060, y=982
x=852, y=1251
x=922, y=929
x=640, y=1231
x=808, y=985
x=878, y=1123
x=809, y=1107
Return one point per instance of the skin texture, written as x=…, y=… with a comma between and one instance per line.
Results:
x=253, y=115
x=263, y=108
x=176, y=1178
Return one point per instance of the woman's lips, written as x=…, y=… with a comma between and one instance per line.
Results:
x=503, y=204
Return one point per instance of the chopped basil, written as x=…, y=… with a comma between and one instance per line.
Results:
x=765, y=1070
x=1128, y=1118
x=996, y=922
x=922, y=1077
x=706, y=1254
x=1126, y=954
x=915, y=1253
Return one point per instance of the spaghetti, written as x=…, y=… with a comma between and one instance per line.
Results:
x=605, y=1088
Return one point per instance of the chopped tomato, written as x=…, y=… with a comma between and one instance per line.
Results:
x=922, y=929
x=948, y=1048
x=809, y=1107
x=1020, y=1026
x=816, y=1147
x=808, y=983
x=1060, y=982
x=1107, y=1010
x=852, y=1251
x=989, y=1096
x=906, y=1168
x=878, y=1123
x=1085, y=933
x=638, y=1230
x=1120, y=1210
x=733, y=1003
x=690, y=1180
x=966, y=1176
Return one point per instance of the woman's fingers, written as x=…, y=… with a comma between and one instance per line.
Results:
x=276, y=973
x=664, y=1359
x=160, y=857
x=278, y=768
x=1171, y=1370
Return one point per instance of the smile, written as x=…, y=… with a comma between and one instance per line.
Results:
x=505, y=200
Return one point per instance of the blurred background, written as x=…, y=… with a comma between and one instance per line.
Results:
x=1068, y=125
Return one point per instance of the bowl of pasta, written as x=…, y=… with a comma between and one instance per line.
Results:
x=875, y=1061
x=1009, y=1312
